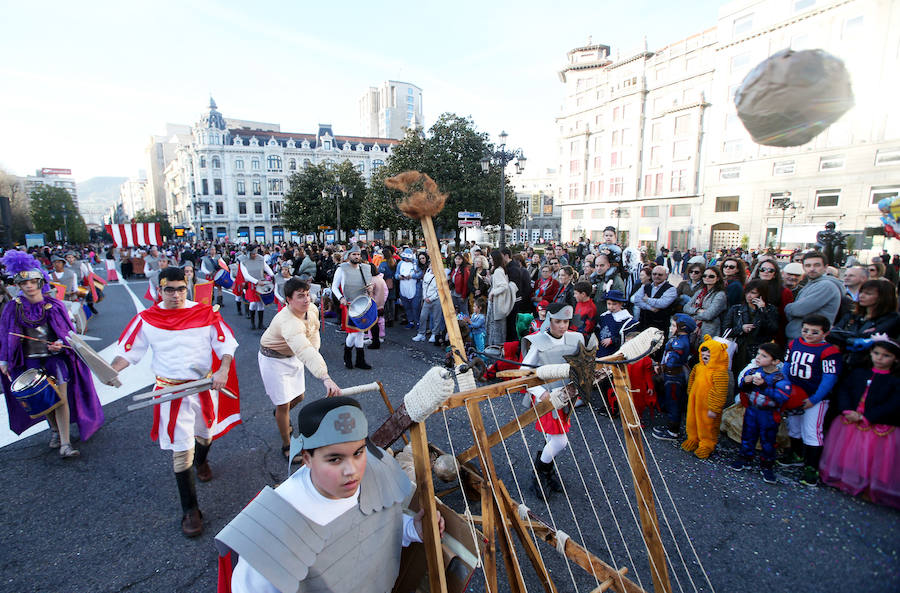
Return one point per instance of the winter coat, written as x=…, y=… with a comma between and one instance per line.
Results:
x=714, y=305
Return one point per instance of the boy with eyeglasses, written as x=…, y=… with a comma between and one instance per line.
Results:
x=188, y=340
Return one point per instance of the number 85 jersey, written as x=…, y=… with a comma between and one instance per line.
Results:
x=809, y=365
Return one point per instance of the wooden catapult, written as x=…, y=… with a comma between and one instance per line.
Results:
x=502, y=517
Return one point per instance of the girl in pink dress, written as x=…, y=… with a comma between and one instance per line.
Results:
x=862, y=448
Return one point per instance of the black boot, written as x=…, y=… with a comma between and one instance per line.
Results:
x=238, y=303
x=201, y=451
x=219, y=300
x=91, y=307
x=348, y=357
x=545, y=474
x=252, y=319
x=376, y=338
x=361, y=360
x=259, y=315
x=192, y=518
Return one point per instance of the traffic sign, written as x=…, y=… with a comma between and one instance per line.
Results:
x=469, y=214
x=469, y=222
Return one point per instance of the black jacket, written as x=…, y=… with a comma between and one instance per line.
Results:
x=883, y=401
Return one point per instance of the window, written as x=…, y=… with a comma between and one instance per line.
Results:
x=576, y=214
x=597, y=213
x=573, y=191
x=679, y=181
x=887, y=156
x=742, y=25
x=616, y=186
x=202, y=162
x=204, y=184
x=217, y=187
x=680, y=210
x=648, y=185
x=853, y=26
x=881, y=192
x=275, y=207
x=377, y=164
x=617, y=113
x=680, y=150
x=803, y=4
x=220, y=208
x=276, y=186
x=656, y=132
x=739, y=61
x=257, y=187
x=242, y=207
x=598, y=162
x=615, y=159
x=307, y=163
x=239, y=164
x=573, y=166
x=733, y=147
x=257, y=207
x=827, y=198
x=650, y=211
x=254, y=164
x=682, y=125
x=326, y=145
x=831, y=163
x=727, y=203
x=274, y=162
x=778, y=199
x=361, y=167
x=655, y=152
x=659, y=184
x=292, y=164
x=726, y=173
x=783, y=168
x=216, y=164
x=241, y=187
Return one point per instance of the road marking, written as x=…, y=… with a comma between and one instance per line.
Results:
x=134, y=378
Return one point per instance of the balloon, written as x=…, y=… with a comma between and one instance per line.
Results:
x=793, y=96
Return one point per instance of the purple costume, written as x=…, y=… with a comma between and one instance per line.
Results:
x=84, y=404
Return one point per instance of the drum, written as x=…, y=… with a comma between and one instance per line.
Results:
x=82, y=291
x=266, y=291
x=223, y=279
x=362, y=313
x=35, y=392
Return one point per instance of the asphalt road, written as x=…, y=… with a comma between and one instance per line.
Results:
x=109, y=521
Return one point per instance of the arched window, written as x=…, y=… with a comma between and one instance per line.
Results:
x=292, y=164
x=202, y=162
x=274, y=162
x=239, y=164
x=307, y=163
x=377, y=164
x=329, y=164
x=215, y=163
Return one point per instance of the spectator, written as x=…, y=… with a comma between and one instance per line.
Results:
x=610, y=323
x=774, y=293
x=887, y=270
x=459, y=284
x=432, y=317
x=657, y=301
x=607, y=277
x=691, y=284
x=479, y=278
x=546, y=287
x=709, y=303
x=751, y=323
x=566, y=293
x=587, y=272
x=875, y=313
x=500, y=301
x=518, y=275
x=821, y=295
x=735, y=273
x=406, y=274
x=790, y=277
x=585, y=310
x=554, y=266
x=388, y=269
x=534, y=268
x=876, y=270
x=860, y=454
x=854, y=277
x=561, y=255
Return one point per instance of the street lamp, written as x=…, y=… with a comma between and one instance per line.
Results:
x=334, y=192
x=784, y=205
x=501, y=157
x=617, y=212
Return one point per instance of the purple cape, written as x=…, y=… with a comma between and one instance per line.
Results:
x=84, y=404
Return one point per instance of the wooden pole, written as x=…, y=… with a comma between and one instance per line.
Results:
x=431, y=533
x=631, y=426
x=437, y=267
x=387, y=402
x=521, y=531
x=490, y=549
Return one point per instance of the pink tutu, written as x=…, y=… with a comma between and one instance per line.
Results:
x=863, y=458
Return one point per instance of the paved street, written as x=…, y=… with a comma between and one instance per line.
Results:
x=109, y=521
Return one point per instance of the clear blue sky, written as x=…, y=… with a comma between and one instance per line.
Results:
x=84, y=84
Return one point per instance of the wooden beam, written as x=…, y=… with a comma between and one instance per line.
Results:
x=491, y=391
x=513, y=569
x=432, y=536
x=631, y=426
x=525, y=537
x=387, y=402
x=510, y=428
x=396, y=424
x=447, y=308
x=490, y=548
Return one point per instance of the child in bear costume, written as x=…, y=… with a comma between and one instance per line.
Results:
x=707, y=393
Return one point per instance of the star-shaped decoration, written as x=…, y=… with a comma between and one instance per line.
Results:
x=581, y=369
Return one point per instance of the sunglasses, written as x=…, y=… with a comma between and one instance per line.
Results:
x=729, y=267
x=710, y=276
x=770, y=270
x=873, y=269
x=694, y=272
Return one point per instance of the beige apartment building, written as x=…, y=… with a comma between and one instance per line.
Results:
x=650, y=141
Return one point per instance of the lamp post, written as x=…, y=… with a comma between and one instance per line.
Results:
x=65, y=214
x=785, y=205
x=617, y=212
x=526, y=216
x=501, y=157
x=336, y=192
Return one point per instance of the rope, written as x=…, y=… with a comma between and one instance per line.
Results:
x=523, y=512
x=561, y=538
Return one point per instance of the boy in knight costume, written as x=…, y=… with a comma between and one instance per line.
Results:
x=254, y=270
x=45, y=320
x=188, y=340
x=674, y=360
x=209, y=265
x=352, y=280
x=548, y=347
x=336, y=525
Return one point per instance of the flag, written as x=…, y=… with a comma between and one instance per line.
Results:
x=203, y=292
x=60, y=290
x=135, y=235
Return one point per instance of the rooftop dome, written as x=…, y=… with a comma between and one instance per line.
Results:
x=213, y=119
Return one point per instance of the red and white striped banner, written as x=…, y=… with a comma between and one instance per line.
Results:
x=135, y=235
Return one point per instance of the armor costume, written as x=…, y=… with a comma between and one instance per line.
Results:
x=674, y=359
x=253, y=271
x=350, y=282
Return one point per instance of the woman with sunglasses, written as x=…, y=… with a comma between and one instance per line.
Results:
x=735, y=273
x=775, y=293
x=709, y=303
x=691, y=283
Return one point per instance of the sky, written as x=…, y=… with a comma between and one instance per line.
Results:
x=83, y=85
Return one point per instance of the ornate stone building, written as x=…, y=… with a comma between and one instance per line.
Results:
x=231, y=177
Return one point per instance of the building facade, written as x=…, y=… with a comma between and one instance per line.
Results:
x=387, y=111
x=160, y=151
x=230, y=178
x=651, y=143
x=53, y=178
x=133, y=194
x=536, y=197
